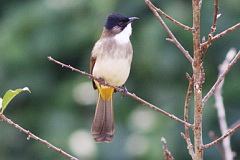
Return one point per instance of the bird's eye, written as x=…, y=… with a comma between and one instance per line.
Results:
x=121, y=24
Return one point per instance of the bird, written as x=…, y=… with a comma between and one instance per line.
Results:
x=110, y=61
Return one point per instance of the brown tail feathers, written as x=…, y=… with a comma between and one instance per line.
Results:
x=103, y=123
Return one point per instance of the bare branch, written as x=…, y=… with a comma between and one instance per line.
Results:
x=218, y=146
x=175, y=41
x=221, y=77
x=167, y=153
x=186, y=136
x=225, y=32
x=230, y=131
x=220, y=106
x=168, y=17
x=124, y=92
x=213, y=28
x=206, y=44
x=198, y=73
x=187, y=100
x=215, y=16
x=31, y=135
x=235, y=124
x=170, y=40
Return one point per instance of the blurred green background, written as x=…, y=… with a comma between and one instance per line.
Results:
x=61, y=106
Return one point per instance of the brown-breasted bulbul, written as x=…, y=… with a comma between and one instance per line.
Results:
x=110, y=60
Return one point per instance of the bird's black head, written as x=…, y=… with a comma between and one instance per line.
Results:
x=119, y=21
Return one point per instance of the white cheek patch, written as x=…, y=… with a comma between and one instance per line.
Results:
x=123, y=37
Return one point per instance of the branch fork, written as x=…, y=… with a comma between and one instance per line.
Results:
x=198, y=77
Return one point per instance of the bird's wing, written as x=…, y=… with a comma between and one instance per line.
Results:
x=93, y=59
x=92, y=62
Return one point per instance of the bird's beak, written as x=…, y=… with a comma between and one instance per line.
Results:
x=131, y=19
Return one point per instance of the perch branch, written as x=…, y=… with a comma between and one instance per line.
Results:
x=221, y=77
x=124, y=92
x=175, y=41
x=230, y=131
x=31, y=135
x=166, y=152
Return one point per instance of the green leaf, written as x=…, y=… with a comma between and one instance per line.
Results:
x=10, y=94
x=0, y=103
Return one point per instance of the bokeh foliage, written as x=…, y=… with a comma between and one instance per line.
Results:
x=31, y=30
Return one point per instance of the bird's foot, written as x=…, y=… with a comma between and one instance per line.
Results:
x=124, y=91
x=102, y=81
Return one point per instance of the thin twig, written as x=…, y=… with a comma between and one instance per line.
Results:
x=31, y=135
x=221, y=77
x=230, y=131
x=206, y=44
x=220, y=106
x=170, y=18
x=186, y=136
x=218, y=146
x=166, y=152
x=235, y=124
x=175, y=41
x=214, y=25
x=170, y=40
x=215, y=16
x=124, y=92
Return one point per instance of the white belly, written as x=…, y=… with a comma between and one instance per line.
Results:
x=113, y=70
